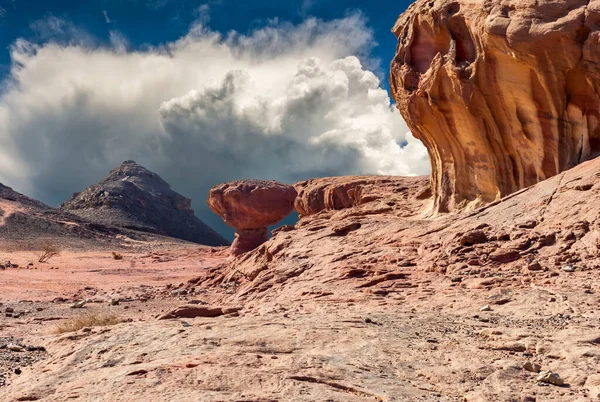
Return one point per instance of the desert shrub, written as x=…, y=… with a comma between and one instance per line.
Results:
x=117, y=256
x=47, y=251
x=87, y=321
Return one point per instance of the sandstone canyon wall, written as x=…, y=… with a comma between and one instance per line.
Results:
x=504, y=94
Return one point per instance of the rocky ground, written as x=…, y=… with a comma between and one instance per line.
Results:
x=369, y=297
x=433, y=341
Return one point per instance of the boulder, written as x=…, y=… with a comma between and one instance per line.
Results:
x=251, y=206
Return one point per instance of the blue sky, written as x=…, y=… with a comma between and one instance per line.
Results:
x=198, y=92
x=153, y=22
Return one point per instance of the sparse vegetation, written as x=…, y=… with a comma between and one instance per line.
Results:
x=117, y=256
x=87, y=321
x=47, y=251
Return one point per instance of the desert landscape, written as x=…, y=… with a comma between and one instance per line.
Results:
x=477, y=283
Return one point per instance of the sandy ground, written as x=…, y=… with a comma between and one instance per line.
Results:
x=69, y=272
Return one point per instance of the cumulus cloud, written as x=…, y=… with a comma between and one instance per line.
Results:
x=285, y=102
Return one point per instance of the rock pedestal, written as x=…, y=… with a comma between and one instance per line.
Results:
x=251, y=206
x=248, y=239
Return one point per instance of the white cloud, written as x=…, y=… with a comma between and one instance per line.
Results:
x=285, y=102
x=106, y=17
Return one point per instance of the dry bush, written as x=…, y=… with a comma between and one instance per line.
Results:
x=87, y=321
x=47, y=251
x=117, y=256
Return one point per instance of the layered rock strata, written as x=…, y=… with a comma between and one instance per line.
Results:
x=504, y=94
x=251, y=206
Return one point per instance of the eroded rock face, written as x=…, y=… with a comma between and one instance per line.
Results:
x=338, y=193
x=251, y=206
x=504, y=94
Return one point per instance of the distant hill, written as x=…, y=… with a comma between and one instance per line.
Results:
x=25, y=222
x=132, y=197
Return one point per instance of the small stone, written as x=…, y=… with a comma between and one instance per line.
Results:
x=86, y=329
x=534, y=266
x=113, y=302
x=552, y=299
x=512, y=347
x=549, y=377
x=14, y=347
x=79, y=304
x=18, y=371
x=9, y=310
x=178, y=292
x=456, y=279
x=473, y=237
x=505, y=255
x=485, y=308
x=533, y=367
x=568, y=268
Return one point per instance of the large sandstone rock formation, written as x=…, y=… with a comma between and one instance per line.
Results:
x=251, y=206
x=504, y=94
x=133, y=197
x=338, y=193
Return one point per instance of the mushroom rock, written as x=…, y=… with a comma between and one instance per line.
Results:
x=503, y=94
x=251, y=206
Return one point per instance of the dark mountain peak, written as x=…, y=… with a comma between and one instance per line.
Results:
x=133, y=197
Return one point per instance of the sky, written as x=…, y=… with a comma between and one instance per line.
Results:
x=198, y=92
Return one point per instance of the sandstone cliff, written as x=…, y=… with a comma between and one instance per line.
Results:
x=503, y=94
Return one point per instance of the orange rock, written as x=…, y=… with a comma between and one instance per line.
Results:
x=503, y=94
x=251, y=206
x=337, y=193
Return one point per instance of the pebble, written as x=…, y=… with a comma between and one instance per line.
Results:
x=533, y=367
x=14, y=348
x=549, y=377
x=568, y=268
x=179, y=292
x=79, y=304
x=534, y=266
x=486, y=308
x=113, y=302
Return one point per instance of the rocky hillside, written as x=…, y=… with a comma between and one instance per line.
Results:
x=27, y=224
x=385, y=235
x=135, y=198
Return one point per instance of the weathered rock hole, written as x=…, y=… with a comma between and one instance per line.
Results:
x=453, y=9
x=465, y=48
x=421, y=49
x=506, y=11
